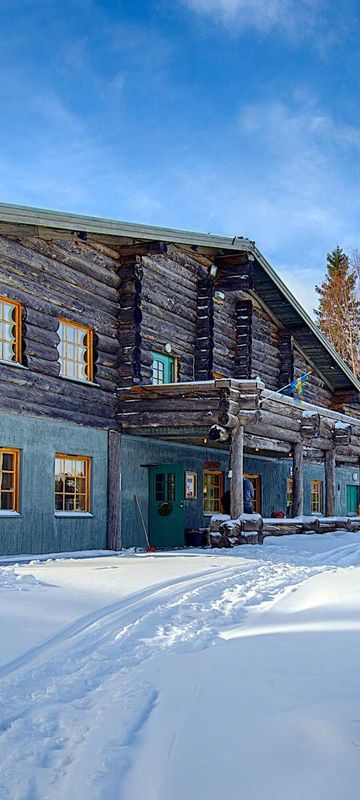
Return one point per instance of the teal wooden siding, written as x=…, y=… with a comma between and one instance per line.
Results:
x=36, y=529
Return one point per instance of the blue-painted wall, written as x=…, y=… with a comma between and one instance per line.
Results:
x=138, y=453
x=36, y=529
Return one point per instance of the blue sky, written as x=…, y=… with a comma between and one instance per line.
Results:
x=224, y=116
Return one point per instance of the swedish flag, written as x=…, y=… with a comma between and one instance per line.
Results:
x=296, y=387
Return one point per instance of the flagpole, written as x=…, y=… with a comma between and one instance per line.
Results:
x=306, y=375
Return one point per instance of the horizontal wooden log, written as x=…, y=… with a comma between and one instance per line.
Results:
x=45, y=322
x=42, y=365
x=274, y=432
x=34, y=350
x=82, y=258
x=174, y=305
x=169, y=265
x=261, y=444
x=166, y=321
x=21, y=261
x=196, y=419
x=16, y=406
x=82, y=404
x=50, y=302
x=174, y=404
x=49, y=338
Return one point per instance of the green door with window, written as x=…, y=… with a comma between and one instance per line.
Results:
x=352, y=499
x=166, y=505
x=163, y=369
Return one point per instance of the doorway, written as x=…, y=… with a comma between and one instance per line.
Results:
x=256, y=482
x=352, y=499
x=166, y=505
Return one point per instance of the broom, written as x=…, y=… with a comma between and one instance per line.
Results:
x=149, y=549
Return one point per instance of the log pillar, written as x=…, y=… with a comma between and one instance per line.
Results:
x=330, y=483
x=237, y=472
x=298, y=480
x=114, y=491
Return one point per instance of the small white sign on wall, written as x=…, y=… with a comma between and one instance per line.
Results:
x=190, y=485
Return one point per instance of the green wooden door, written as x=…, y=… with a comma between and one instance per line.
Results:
x=163, y=369
x=351, y=499
x=166, y=505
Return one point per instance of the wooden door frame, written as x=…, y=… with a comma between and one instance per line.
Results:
x=257, y=480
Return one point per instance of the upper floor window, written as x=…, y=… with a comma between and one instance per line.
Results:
x=9, y=479
x=317, y=496
x=76, y=351
x=10, y=330
x=72, y=483
x=164, y=369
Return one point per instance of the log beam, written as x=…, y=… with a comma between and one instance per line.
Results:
x=237, y=472
x=330, y=482
x=298, y=480
x=114, y=491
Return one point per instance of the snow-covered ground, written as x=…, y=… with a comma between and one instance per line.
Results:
x=183, y=676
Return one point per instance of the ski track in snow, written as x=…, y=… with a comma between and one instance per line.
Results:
x=78, y=698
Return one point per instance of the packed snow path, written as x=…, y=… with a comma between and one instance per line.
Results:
x=174, y=692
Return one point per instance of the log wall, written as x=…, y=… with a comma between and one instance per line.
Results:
x=225, y=334
x=169, y=310
x=72, y=280
x=265, y=348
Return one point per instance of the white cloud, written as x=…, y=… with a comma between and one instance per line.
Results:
x=264, y=15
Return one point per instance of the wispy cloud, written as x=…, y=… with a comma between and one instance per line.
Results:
x=263, y=15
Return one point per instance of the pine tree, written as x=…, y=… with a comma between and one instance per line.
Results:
x=338, y=314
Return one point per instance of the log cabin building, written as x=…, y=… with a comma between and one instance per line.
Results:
x=141, y=371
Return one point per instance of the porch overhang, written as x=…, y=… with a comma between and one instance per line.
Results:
x=273, y=423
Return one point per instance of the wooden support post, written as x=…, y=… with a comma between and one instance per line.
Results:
x=114, y=491
x=330, y=482
x=237, y=472
x=298, y=480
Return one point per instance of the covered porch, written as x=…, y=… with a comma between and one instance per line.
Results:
x=249, y=421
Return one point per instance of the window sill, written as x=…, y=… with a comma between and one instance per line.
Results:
x=10, y=514
x=79, y=380
x=12, y=364
x=74, y=514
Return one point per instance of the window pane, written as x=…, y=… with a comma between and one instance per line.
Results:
x=80, y=485
x=69, y=503
x=70, y=334
x=7, y=480
x=70, y=351
x=80, y=502
x=8, y=312
x=69, y=485
x=59, y=484
x=81, y=371
x=59, y=502
x=160, y=487
x=7, y=461
x=7, y=501
x=80, y=467
x=171, y=486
